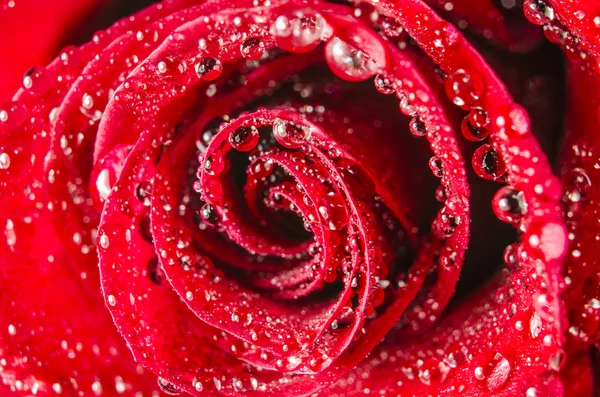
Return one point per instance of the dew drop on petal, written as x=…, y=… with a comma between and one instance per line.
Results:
x=167, y=387
x=252, y=49
x=348, y=62
x=487, y=163
x=4, y=161
x=209, y=69
x=290, y=135
x=508, y=204
x=244, y=139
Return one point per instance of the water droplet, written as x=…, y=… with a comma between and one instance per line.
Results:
x=544, y=306
x=508, y=204
x=143, y=192
x=491, y=368
x=577, y=185
x=244, y=139
x=333, y=210
x=473, y=126
x=447, y=223
x=348, y=62
x=391, y=27
x=209, y=214
x=262, y=168
x=12, y=115
x=417, y=127
x=104, y=241
x=154, y=271
x=252, y=49
x=511, y=259
x=215, y=163
x=463, y=89
x=543, y=385
x=4, y=161
x=432, y=372
x=538, y=11
x=290, y=135
x=535, y=325
x=209, y=69
x=37, y=81
x=345, y=318
x=487, y=163
x=300, y=32
x=384, y=84
x=168, y=387
x=437, y=166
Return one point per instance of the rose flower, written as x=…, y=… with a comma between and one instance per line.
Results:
x=299, y=198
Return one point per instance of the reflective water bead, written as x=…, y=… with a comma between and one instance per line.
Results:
x=37, y=81
x=215, y=163
x=391, y=27
x=168, y=387
x=12, y=114
x=300, y=32
x=209, y=215
x=384, y=84
x=252, y=49
x=154, y=271
x=491, y=368
x=290, y=135
x=538, y=11
x=244, y=139
x=143, y=192
x=262, y=168
x=209, y=69
x=417, y=127
x=447, y=223
x=511, y=259
x=4, y=161
x=345, y=318
x=577, y=185
x=463, y=89
x=487, y=163
x=474, y=125
x=333, y=210
x=348, y=62
x=508, y=204
x=437, y=166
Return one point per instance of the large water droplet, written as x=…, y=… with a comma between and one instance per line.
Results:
x=4, y=161
x=252, y=49
x=348, y=62
x=384, y=85
x=299, y=32
x=244, y=139
x=215, y=163
x=474, y=125
x=508, y=204
x=209, y=69
x=463, y=89
x=577, y=185
x=417, y=127
x=333, y=210
x=487, y=163
x=209, y=215
x=538, y=11
x=290, y=135
x=491, y=368
x=168, y=387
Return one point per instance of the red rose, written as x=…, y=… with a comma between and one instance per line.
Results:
x=261, y=213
